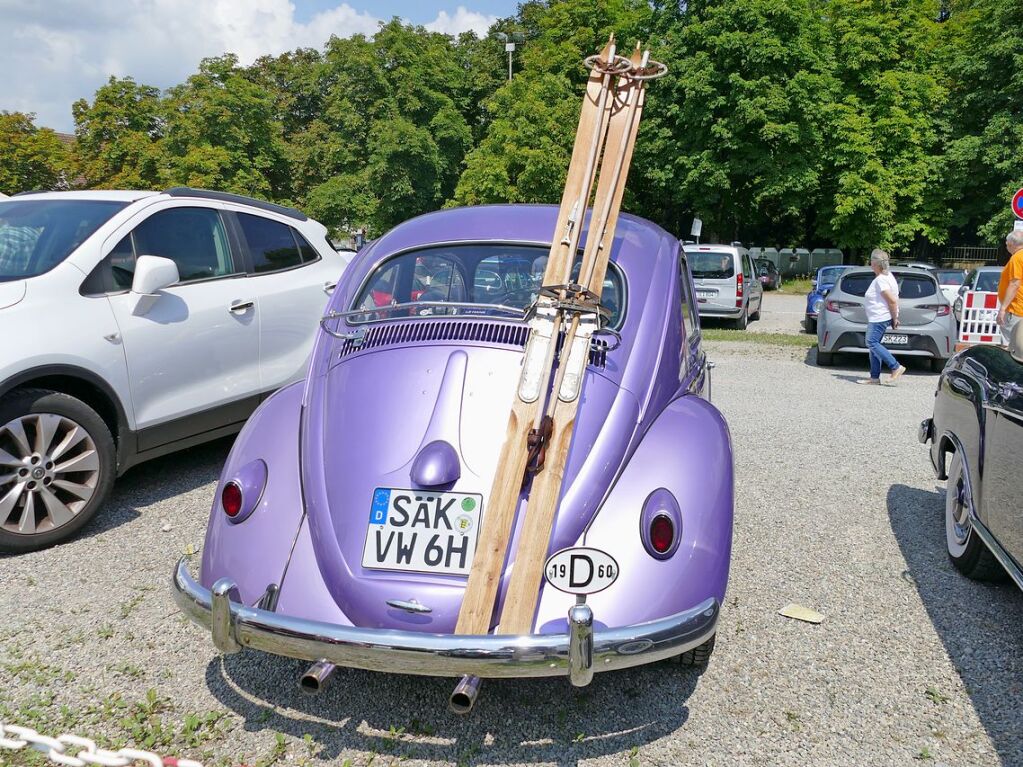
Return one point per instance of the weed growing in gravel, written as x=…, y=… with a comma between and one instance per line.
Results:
x=794, y=721
x=936, y=696
x=770, y=339
x=128, y=606
x=634, y=757
x=106, y=631
x=924, y=754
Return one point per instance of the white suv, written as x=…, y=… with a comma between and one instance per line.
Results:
x=133, y=324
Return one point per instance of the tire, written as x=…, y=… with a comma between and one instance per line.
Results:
x=810, y=324
x=825, y=359
x=65, y=468
x=698, y=656
x=967, y=551
x=743, y=320
x=760, y=307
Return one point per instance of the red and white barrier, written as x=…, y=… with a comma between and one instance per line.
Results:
x=979, y=324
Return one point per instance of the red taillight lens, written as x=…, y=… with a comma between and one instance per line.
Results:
x=831, y=306
x=942, y=310
x=231, y=499
x=662, y=533
x=738, y=284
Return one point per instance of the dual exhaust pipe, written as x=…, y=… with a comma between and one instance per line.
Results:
x=463, y=698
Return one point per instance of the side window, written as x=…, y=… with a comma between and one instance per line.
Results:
x=747, y=269
x=689, y=310
x=114, y=273
x=272, y=244
x=193, y=238
x=308, y=252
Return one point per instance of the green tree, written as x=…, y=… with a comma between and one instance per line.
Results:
x=117, y=136
x=984, y=161
x=734, y=134
x=221, y=134
x=882, y=146
x=30, y=157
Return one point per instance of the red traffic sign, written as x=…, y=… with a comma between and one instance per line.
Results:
x=1017, y=204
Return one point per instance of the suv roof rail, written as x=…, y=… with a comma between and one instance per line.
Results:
x=252, y=202
x=736, y=244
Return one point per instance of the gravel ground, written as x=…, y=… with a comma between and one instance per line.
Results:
x=836, y=509
x=782, y=313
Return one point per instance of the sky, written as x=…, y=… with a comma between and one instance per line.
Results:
x=57, y=51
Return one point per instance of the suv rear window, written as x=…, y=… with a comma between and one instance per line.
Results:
x=708, y=265
x=987, y=282
x=910, y=285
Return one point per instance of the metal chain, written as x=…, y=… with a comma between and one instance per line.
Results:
x=85, y=752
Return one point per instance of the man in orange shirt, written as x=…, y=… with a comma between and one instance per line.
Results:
x=1010, y=297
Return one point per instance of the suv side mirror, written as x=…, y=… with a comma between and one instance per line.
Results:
x=826, y=291
x=152, y=274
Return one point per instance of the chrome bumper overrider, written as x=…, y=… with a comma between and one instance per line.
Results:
x=577, y=654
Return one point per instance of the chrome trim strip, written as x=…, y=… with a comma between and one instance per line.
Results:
x=236, y=625
x=996, y=549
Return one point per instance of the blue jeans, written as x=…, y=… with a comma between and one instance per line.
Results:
x=878, y=354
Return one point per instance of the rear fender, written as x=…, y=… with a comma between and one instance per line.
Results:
x=254, y=552
x=687, y=451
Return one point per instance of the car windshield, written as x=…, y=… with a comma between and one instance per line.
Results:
x=36, y=235
x=763, y=263
x=987, y=282
x=951, y=276
x=708, y=265
x=910, y=285
x=829, y=274
x=471, y=278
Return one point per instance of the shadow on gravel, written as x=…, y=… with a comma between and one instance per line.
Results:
x=915, y=366
x=978, y=623
x=406, y=717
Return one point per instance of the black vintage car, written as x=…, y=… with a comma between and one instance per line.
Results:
x=976, y=438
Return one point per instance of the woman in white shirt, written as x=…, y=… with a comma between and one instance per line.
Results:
x=882, y=305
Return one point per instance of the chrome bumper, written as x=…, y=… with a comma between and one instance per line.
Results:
x=578, y=654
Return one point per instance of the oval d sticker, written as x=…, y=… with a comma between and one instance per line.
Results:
x=581, y=570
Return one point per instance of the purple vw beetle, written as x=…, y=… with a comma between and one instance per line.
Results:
x=405, y=408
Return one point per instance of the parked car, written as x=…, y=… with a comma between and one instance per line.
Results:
x=407, y=405
x=976, y=437
x=984, y=279
x=820, y=285
x=950, y=280
x=916, y=265
x=725, y=283
x=135, y=324
x=770, y=278
x=926, y=327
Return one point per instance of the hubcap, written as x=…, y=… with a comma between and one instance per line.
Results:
x=49, y=470
x=960, y=513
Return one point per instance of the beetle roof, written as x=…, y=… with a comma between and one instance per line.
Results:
x=636, y=239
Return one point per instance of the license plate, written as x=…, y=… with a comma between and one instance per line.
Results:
x=421, y=531
x=705, y=293
x=894, y=340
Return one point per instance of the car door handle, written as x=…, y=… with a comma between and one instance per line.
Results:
x=328, y=287
x=241, y=306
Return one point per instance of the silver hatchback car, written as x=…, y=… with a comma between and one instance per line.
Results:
x=926, y=327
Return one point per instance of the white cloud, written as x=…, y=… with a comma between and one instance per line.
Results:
x=464, y=20
x=55, y=52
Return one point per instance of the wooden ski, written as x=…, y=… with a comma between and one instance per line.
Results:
x=525, y=422
x=524, y=588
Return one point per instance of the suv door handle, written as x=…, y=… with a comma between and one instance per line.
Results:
x=328, y=287
x=241, y=306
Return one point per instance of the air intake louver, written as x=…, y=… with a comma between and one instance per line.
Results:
x=425, y=331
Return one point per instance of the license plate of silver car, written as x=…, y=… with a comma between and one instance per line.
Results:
x=423, y=532
x=889, y=339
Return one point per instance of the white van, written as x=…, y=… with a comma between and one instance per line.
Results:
x=726, y=282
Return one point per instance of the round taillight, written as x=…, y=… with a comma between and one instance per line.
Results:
x=231, y=499
x=662, y=533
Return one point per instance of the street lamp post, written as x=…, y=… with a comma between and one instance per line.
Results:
x=509, y=46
